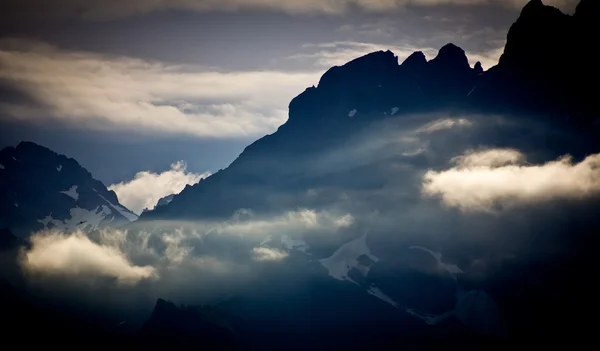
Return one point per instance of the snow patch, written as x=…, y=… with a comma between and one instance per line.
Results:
x=81, y=219
x=123, y=211
x=375, y=291
x=394, y=110
x=72, y=192
x=59, y=168
x=294, y=244
x=2, y=166
x=450, y=268
x=352, y=113
x=346, y=258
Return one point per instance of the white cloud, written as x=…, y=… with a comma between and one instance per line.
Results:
x=481, y=180
x=99, y=9
x=338, y=53
x=76, y=255
x=444, y=123
x=488, y=158
x=102, y=92
x=292, y=223
x=268, y=254
x=146, y=188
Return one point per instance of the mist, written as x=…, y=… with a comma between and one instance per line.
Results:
x=388, y=179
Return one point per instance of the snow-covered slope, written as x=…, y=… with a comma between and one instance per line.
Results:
x=346, y=258
x=473, y=308
x=40, y=189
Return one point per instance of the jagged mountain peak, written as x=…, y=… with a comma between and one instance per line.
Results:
x=40, y=188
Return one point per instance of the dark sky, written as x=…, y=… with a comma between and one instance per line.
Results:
x=134, y=86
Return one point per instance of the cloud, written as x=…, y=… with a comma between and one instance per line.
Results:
x=76, y=255
x=482, y=180
x=101, y=92
x=268, y=254
x=99, y=9
x=488, y=158
x=188, y=255
x=444, y=123
x=291, y=223
x=146, y=188
x=338, y=53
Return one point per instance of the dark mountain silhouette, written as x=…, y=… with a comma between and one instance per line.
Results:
x=542, y=72
x=40, y=188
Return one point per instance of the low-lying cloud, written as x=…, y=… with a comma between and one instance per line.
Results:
x=146, y=188
x=268, y=254
x=484, y=180
x=75, y=255
x=164, y=252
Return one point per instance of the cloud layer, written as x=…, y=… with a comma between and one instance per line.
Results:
x=100, y=92
x=146, y=188
x=75, y=255
x=484, y=180
x=165, y=252
x=97, y=9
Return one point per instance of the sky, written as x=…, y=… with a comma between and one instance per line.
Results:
x=138, y=86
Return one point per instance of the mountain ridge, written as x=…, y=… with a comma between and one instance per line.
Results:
x=370, y=87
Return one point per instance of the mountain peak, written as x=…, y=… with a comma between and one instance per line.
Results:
x=416, y=59
x=41, y=189
x=451, y=56
x=365, y=68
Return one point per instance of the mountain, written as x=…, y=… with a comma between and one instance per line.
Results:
x=42, y=189
x=539, y=73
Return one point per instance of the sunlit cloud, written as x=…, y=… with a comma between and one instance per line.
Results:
x=100, y=92
x=330, y=54
x=75, y=255
x=290, y=223
x=146, y=188
x=268, y=254
x=486, y=180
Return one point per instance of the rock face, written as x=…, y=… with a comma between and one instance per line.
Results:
x=42, y=189
x=540, y=73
